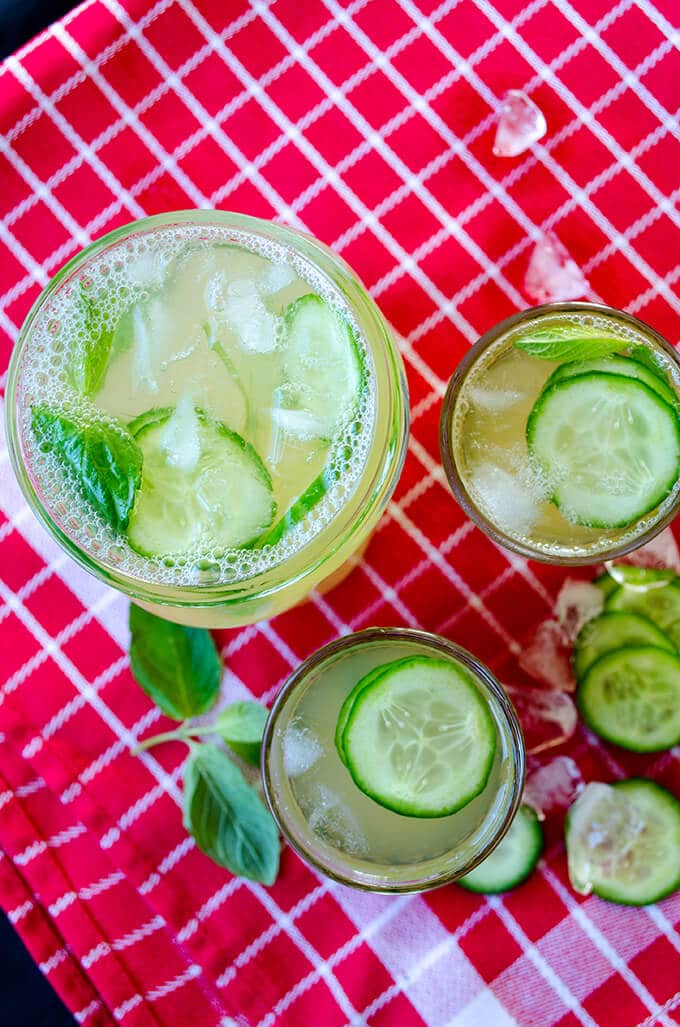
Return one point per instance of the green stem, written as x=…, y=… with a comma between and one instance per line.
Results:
x=180, y=734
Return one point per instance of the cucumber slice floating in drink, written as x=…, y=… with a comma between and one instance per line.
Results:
x=631, y=697
x=609, y=446
x=623, y=842
x=348, y=704
x=626, y=366
x=419, y=739
x=614, y=630
x=322, y=366
x=512, y=860
x=201, y=483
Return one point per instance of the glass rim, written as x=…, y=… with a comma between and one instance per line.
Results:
x=366, y=501
x=456, y=484
x=480, y=672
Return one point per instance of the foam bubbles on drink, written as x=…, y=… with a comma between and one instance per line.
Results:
x=118, y=280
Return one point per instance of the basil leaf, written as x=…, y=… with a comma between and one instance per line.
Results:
x=178, y=667
x=91, y=353
x=104, y=459
x=562, y=343
x=227, y=817
x=241, y=726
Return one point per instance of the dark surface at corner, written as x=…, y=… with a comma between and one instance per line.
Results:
x=26, y=998
x=22, y=19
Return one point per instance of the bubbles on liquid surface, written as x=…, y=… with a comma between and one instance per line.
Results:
x=131, y=274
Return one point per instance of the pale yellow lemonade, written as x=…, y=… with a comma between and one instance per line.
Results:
x=197, y=411
x=485, y=424
x=344, y=832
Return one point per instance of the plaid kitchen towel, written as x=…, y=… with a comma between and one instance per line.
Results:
x=369, y=124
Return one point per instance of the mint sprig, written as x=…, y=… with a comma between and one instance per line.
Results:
x=565, y=343
x=92, y=349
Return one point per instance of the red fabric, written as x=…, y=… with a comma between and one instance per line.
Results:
x=370, y=124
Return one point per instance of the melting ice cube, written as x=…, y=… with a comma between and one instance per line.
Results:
x=553, y=787
x=552, y=273
x=334, y=822
x=577, y=603
x=603, y=824
x=661, y=553
x=503, y=498
x=494, y=399
x=301, y=750
x=520, y=124
x=548, y=658
x=180, y=436
x=275, y=278
x=548, y=718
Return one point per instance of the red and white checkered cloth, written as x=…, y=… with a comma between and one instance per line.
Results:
x=370, y=124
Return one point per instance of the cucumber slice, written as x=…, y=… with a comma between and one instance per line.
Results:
x=346, y=708
x=631, y=697
x=623, y=842
x=605, y=583
x=639, y=578
x=322, y=367
x=660, y=605
x=202, y=485
x=300, y=508
x=626, y=366
x=614, y=630
x=419, y=739
x=609, y=446
x=512, y=860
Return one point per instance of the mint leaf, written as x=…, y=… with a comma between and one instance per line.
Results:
x=178, y=667
x=227, y=817
x=241, y=726
x=104, y=459
x=567, y=343
x=90, y=356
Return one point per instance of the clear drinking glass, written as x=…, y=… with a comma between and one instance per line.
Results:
x=207, y=595
x=331, y=823
x=483, y=435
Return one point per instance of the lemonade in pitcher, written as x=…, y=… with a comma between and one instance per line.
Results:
x=207, y=411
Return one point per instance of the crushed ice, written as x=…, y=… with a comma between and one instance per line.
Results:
x=554, y=786
x=548, y=717
x=577, y=603
x=520, y=124
x=553, y=275
x=504, y=499
x=661, y=554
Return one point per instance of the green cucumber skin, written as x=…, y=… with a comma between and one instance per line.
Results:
x=528, y=867
x=406, y=809
x=618, y=600
x=589, y=682
x=661, y=640
x=534, y=416
x=633, y=784
x=639, y=371
x=348, y=704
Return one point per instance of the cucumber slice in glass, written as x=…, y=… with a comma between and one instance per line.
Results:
x=419, y=739
x=660, y=605
x=202, y=485
x=608, y=445
x=614, y=630
x=322, y=366
x=300, y=508
x=626, y=366
x=512, y=860
x=623, y=842
x=346, y=708
x=631, y=697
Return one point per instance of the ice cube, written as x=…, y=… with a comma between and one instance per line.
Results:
x=603, y=824
x=142, y=363
x=300, y=423
x=577, y=603
x=520, y=124
x=552, y=274
x=661, y=553
x=180, y=436
x=335, y=823
x=503, y=498
x=247, y=316
x=548, y=718
x=494, y=399
x=276, y=278
x=553, y=787
x=547, y=657
x=301, y=750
